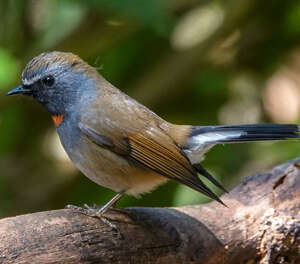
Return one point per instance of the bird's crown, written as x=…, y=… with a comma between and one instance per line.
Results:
x=55, y=60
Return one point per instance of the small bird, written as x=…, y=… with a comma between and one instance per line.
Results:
x=119, y=143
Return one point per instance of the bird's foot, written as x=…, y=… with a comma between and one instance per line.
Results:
x=86, y=210
x=94, y=211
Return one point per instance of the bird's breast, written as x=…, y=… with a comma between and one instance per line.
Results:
x=103, y=166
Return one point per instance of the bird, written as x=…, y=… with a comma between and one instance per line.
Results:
x=119, y=143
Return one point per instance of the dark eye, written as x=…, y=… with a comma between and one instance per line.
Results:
x=48, y=80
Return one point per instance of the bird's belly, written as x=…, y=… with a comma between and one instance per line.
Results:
x=113, y=171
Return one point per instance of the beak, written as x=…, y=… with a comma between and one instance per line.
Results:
x=20, y=90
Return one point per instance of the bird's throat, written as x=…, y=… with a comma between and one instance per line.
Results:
x=57, y=119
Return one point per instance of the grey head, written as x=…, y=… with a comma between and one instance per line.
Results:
x=56, y=80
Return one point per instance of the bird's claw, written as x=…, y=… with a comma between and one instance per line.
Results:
x=93, y=211
x=96, y=212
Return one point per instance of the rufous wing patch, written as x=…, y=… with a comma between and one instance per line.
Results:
x=164, y=159
x=57, y=119
x=167, y=160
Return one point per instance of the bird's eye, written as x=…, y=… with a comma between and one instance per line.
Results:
x=48, y=80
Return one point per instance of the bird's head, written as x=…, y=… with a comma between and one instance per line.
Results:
x=56, y=80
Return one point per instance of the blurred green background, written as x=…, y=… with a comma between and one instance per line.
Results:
x=191, y=61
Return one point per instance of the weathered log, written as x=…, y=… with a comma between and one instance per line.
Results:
x=260, y=225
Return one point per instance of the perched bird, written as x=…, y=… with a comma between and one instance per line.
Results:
x=119, y=143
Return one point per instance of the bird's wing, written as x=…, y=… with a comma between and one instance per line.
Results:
x=120, y=124
x=153, y=149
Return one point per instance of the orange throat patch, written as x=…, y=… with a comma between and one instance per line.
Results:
x=57, y=119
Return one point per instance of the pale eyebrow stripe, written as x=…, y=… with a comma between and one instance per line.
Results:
x=36, y=77
x=32, y=80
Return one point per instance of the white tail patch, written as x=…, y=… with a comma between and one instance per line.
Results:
x=204, y=138
x=201, y=140
x=198, y=145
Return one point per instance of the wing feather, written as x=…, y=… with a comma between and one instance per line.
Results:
x=152, y=149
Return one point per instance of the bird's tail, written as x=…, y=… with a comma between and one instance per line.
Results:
x=243, y=133
x=202, y=138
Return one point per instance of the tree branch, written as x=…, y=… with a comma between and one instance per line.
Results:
x=262, y=224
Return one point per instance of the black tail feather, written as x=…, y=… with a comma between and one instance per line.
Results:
x=199, y=186
x=255, y=132
x=202, y=138
x=208, y=176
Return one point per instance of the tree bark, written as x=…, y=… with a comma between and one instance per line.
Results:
x=260, y=225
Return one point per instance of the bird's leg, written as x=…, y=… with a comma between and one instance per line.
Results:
x=99, y=212
x=95, y=211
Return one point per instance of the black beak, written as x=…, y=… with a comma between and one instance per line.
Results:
x=20, y=90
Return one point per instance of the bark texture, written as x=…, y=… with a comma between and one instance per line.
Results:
x=260, y=225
